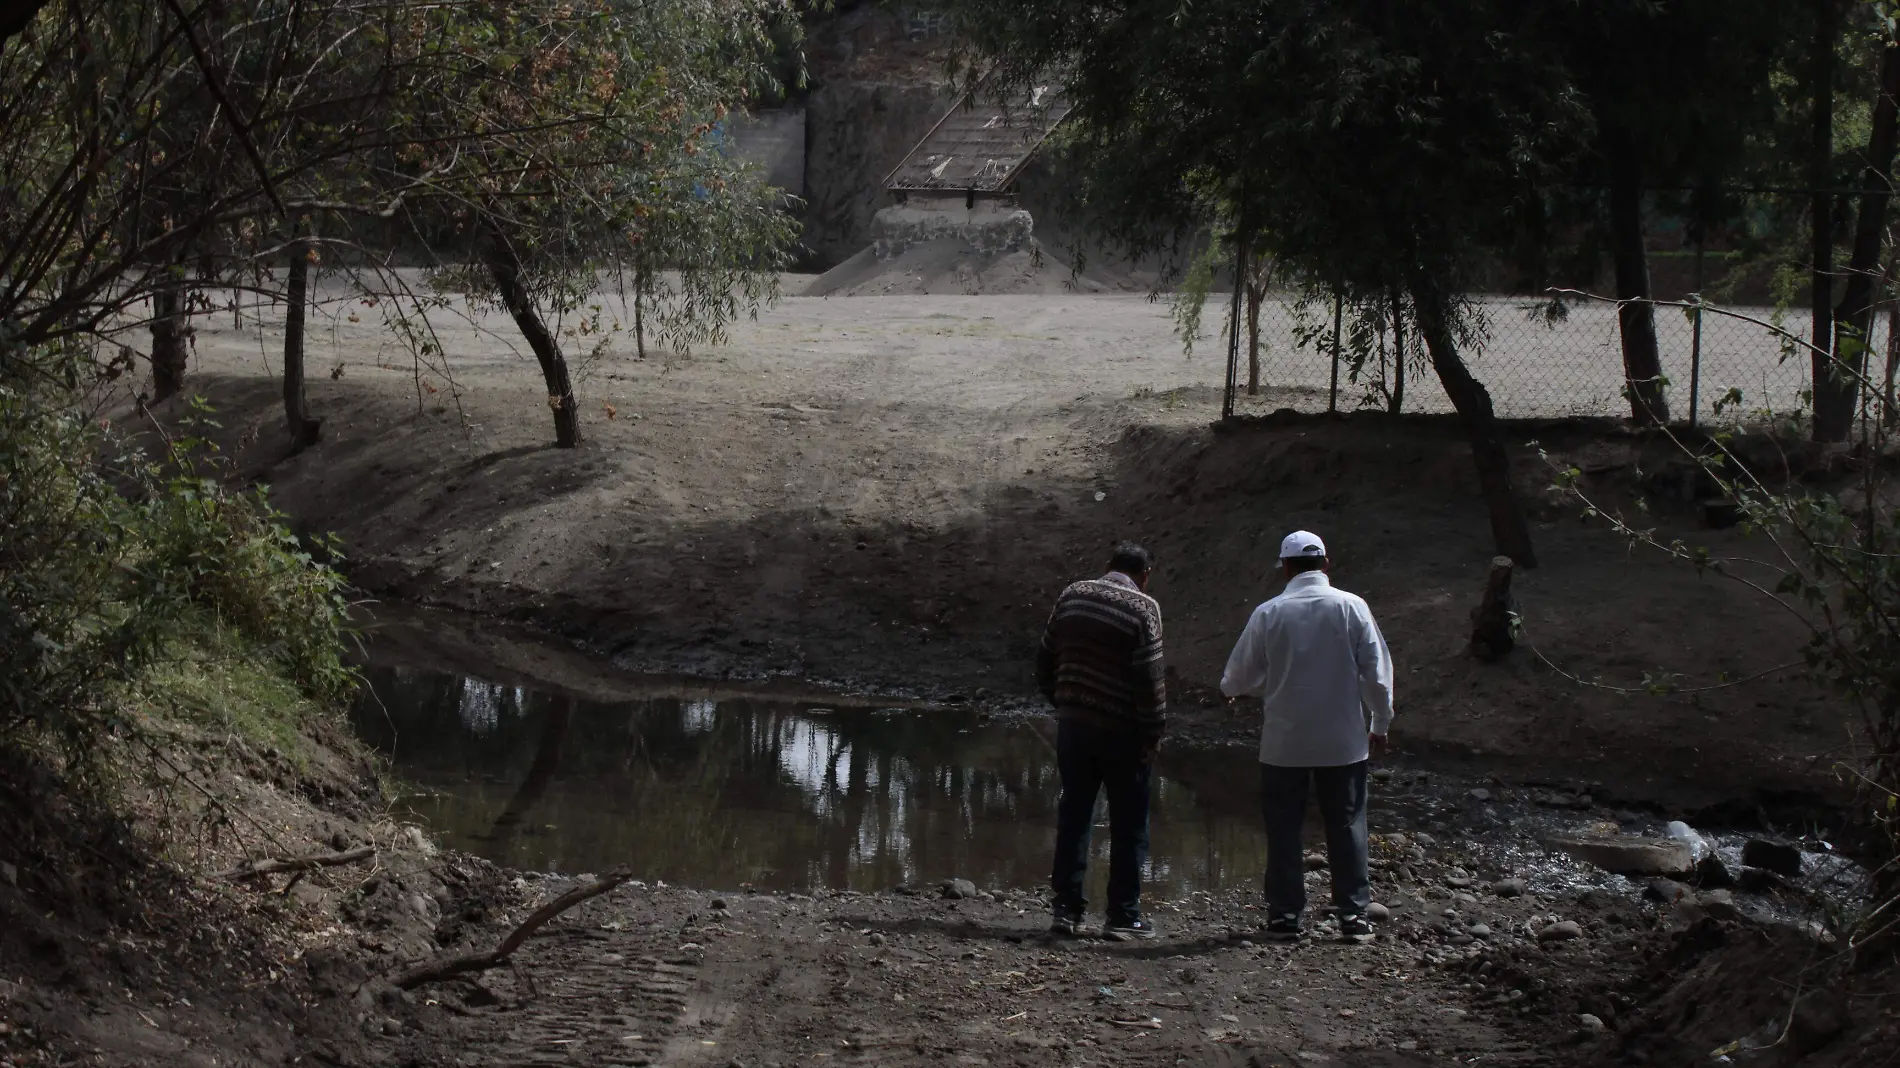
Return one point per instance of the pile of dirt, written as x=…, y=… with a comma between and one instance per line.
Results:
x=1761, y=995
x=950, y=266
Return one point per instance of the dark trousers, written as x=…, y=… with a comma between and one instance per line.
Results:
x=1092, y=759
x=1342, y=808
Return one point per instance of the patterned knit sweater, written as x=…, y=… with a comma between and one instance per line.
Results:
x=1101, y=656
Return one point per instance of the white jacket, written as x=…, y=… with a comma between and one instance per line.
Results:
x=1319, y=664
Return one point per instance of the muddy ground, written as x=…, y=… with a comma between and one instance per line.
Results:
x=888, y=492
x=1489, y=954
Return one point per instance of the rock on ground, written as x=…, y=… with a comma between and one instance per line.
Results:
x=1630, y=854
x=1782, y=858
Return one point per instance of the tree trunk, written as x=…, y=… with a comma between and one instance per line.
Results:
x=639, y=312
x=1887, y=412
x=504, y=265
x=1820, y=176
x=1838, y=396
x=1508, y=527
x=170, y=355
x=1397, y=396
x=1642, y=363
x=1492, y=631
x=1255, y=293
x=304, y=431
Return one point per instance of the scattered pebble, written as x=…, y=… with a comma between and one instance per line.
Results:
x=1591, y=1024
x=1719, y=904
x=1561, y=931
x=1667, y=891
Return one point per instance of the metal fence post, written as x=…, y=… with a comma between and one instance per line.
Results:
x=1332, y=393
x=1695, y=339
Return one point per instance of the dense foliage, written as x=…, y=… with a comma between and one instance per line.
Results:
x=109, y=556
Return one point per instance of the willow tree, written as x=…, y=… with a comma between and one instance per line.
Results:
x=613, y=161
x=1681, y=95
x=705, y=245
x=1373, y=146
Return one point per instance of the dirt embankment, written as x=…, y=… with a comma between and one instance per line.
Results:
x=888, y=493
x=125, y=939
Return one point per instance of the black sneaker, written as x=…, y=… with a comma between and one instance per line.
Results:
x=1355, y=928
x=1067, y=923
x=1127, y=930
x=1283, y=928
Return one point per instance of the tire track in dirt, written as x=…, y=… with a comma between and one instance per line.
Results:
x=607, y=1004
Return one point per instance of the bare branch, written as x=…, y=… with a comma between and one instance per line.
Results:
x=216, y=84
x=447, y=968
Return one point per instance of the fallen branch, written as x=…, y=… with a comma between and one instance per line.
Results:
x=447, y=968
x=285, y=865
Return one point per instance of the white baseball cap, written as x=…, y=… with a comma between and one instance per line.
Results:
x=1301, y=543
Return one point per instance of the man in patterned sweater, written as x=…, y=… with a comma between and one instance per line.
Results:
x=1100, y=666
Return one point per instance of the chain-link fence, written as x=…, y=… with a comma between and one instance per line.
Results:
x=1534, y=363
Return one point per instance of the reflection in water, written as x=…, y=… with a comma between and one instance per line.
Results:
x=547, y=759
x=779, y=795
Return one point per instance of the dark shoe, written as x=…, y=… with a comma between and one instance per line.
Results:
x=1127, y=930
x=1355, y=928
x=1067, y=923
x=1284, y=928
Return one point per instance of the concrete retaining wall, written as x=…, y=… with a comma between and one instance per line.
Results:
x=988, y=227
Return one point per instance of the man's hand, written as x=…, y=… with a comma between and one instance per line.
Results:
x=1148, y=748
x=1375, y=746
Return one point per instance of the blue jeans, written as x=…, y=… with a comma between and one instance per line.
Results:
x=1092, y=759
x=1342, y=808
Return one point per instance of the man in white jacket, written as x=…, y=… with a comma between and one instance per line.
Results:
x=1320, y=666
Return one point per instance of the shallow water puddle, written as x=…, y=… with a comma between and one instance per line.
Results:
x=694, y=782
x=782, y=794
